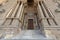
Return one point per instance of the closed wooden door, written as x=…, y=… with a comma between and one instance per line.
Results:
x=30, y=24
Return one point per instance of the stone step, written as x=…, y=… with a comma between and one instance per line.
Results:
x=31, y=34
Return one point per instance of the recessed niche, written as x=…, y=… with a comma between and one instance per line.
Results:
x=30, y=2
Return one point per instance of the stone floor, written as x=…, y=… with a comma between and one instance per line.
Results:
x=32, y=34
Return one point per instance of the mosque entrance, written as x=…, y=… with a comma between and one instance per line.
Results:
x=30, y=24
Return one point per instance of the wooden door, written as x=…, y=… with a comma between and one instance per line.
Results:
x=30, y=24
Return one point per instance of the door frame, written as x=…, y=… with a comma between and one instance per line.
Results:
x=31, y=25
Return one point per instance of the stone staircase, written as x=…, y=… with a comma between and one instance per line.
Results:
x=31, y=35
